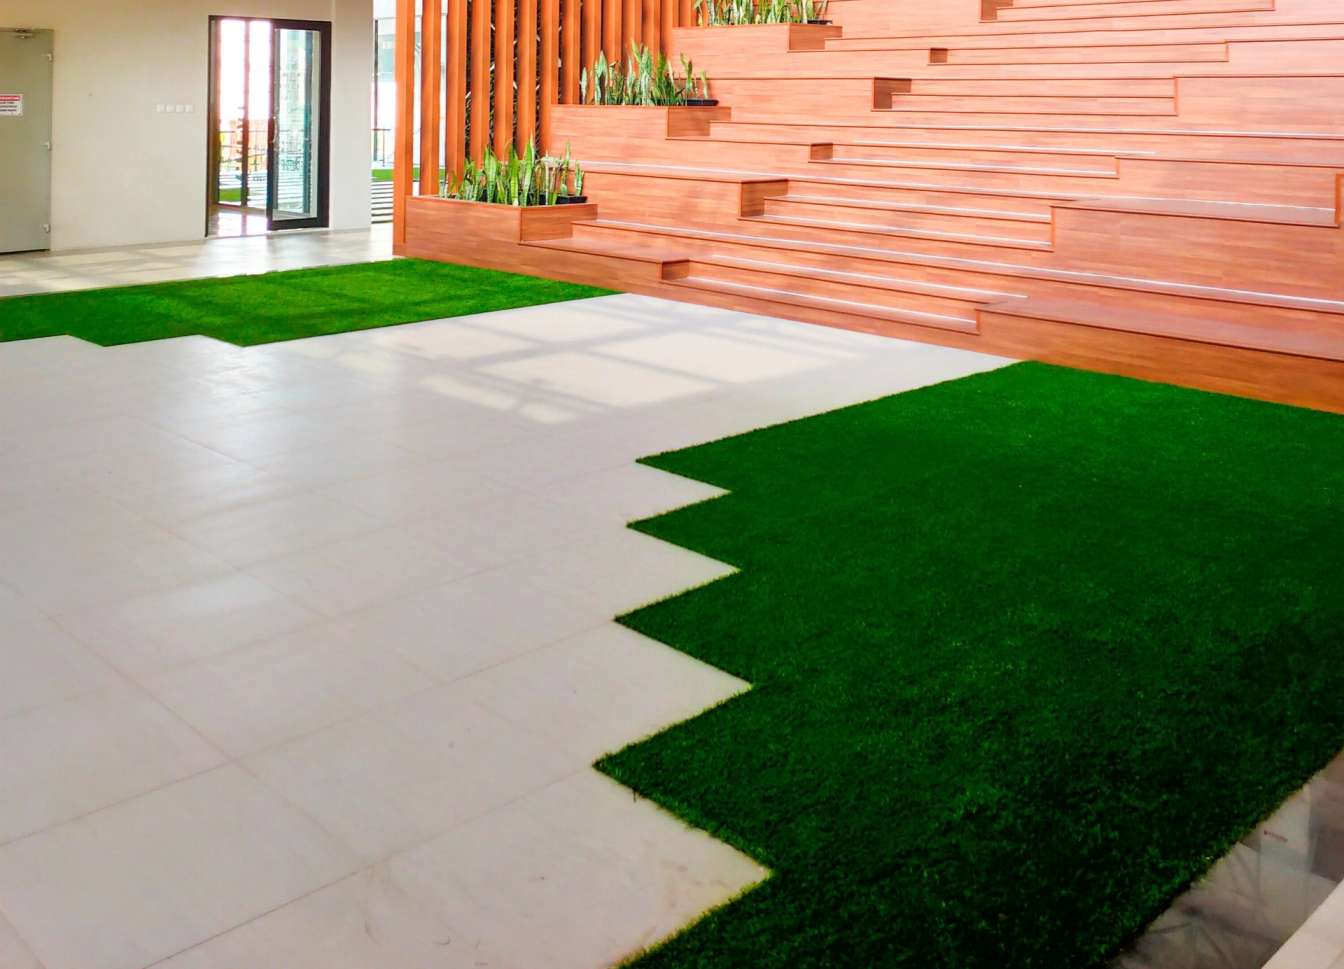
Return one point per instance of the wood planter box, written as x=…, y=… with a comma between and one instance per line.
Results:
x=734, y=40
x=615, y=131
x=483, y=233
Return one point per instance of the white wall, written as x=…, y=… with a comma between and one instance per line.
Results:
x=123, y=173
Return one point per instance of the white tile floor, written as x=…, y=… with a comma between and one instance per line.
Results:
x=308, y=647
x=50, y=272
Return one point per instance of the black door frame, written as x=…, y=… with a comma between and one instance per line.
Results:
x=323, y=28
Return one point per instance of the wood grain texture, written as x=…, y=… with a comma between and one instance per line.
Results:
x=1150, y=187
x=455, y=135
x=403, y=163
x=572, y=32
x=431, y=93
x=504, y=77
x=527, y=109
x=480, y=78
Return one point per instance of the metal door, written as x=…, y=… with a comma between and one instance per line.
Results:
x=300, y=131
x=25, y=140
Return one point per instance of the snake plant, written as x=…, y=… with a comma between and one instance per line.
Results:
x=526, y=179
x=737, y=12
x=645, y=78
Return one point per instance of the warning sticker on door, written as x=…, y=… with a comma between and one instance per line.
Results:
x=11, y=105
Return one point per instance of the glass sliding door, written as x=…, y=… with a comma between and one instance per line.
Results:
x=300, y=124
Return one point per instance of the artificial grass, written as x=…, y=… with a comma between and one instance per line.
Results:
x=1030, y=650
x=385, y=174
x=248, y=310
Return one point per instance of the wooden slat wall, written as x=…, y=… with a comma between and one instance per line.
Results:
x=553, y=42
x=527, y=72
x=455, y=135
x=431, y=91
x=403, y=152
x=504, y=97
x=550, y=64
x=480, y=78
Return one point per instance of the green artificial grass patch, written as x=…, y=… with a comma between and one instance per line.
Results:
x=248, y=310
x=386, y=174
x=1030, y=650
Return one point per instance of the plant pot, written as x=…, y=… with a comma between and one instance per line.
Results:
x=702, y=103
x=820, y=23
x=482, y=233
x=572, y=200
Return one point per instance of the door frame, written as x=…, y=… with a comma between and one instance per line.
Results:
x=323, y=218
x=324, y=30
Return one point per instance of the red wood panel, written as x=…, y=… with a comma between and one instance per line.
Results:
x=504, y=97
x=592, y=34
x=668, y=22
x=455, y=137
x=431, y=92
x=480, y=78
x=527, y=72
x=403, y=153
x=912, y=193
x=653, y=25
x=550, y=66
x=573, y=32
x=632, y=26
x=611, y=28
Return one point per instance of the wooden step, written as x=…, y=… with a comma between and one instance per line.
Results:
x=1021, y=104
x=1296, y=215
x=1073, y=160
x=893, y=292
x=1260, y=26
x=1089, y=54
x=900, y=190
x=1124, y=12
x=857, y=229
x=883, y=281
x=1127, y=138
x=1037, y=87
x=1080, y=169
x=795, y=298
x=755, y=236
x=897, y=215
x=1322, y=342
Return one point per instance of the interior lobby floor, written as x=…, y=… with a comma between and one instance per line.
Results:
x=309, y=646
x=51, y=272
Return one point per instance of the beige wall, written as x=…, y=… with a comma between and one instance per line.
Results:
x=123, y=173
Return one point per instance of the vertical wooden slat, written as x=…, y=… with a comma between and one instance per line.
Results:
x=653, y=25
x=431, y=67
x=480, y=78
x=455, y=148
x=403, y=155
x=527, y=72
x=571, y=59
x=669, y=22
x=686, y=13
x=592, y=34
x=633, y=26
x=611, y=29
x=550, y=65
x=503, y=76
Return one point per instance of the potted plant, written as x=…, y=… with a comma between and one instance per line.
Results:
x=646, y=79
x=529, y=179
x=732, y=13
